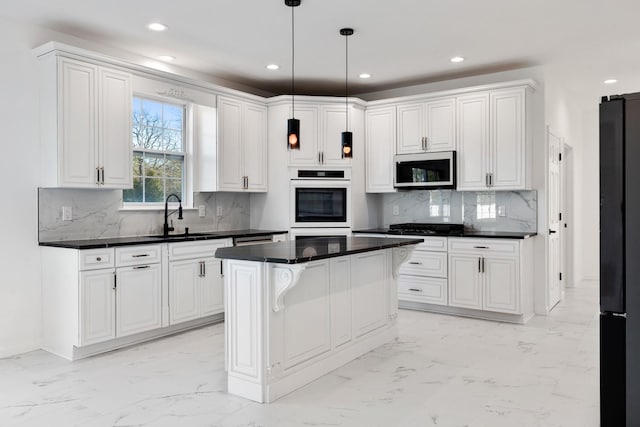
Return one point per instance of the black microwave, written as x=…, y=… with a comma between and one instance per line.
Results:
x=425, y=171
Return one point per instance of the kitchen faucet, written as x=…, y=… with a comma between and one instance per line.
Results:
x=167, y=229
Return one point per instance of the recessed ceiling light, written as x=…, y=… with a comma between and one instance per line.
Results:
x=166, y=58
x=457, y=59
x=365, y=76
x=156, y=26
x=273, y=67
x=610, y=81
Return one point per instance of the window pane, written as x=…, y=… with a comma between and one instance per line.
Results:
x=153, y=190
x=152, y=111
x=154, y=165
x=134, y=194
x=174, y=186
x=173, y=167
x=173, y=116
x=137, y=164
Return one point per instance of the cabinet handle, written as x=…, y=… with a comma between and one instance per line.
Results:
x=479, y=267
x=490, y=179
x=322, y=157
x=415, y=263
x=221, y=273
x=319, y=161
x=481, y=247
x=426, y=143
x=415, y=289
x=102, y=172
x=139, y=255
x=141, y=267
x=199, y=268
x=98, y=259
x=204, y=269
x=483, y=264
x=97, y=175
x=115, y=280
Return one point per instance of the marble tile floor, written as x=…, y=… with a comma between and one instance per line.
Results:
x=442, y=371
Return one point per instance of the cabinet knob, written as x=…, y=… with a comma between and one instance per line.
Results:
x=98, y=258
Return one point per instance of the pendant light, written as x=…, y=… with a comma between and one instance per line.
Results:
x=293, y=124
x=347, y=137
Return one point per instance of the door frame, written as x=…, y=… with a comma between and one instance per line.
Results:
x=566, y=230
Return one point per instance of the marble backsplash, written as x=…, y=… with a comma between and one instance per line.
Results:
x=486, y=210
x=99, y=214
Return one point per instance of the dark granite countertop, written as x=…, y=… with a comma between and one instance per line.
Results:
x=467, y=233
x=146, y=240
x=298, y=251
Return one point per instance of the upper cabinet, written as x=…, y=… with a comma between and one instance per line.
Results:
x=86, y=124
x=380, y=139
x=242, y=145
x=493, y=140
x=321, y=128
x=426, y=126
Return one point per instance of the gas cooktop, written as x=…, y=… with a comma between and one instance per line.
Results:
x=427, y=228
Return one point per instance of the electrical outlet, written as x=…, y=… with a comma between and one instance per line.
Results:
x=396, y=210
x=201, y=211
x=219, y=211
x=502, y=210
x=67, y=213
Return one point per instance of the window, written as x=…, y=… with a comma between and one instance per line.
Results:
x=159, y=151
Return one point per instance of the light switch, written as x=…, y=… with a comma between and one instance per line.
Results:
x=67, y=213
x=396, y=210
x=502, y=210
x=201, y=211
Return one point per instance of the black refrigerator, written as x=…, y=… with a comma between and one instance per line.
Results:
x=620, y=261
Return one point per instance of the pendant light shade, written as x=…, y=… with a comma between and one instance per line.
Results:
x=347, y=137
x=293, y=124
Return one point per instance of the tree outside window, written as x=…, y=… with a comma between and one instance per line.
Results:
x=158, y=151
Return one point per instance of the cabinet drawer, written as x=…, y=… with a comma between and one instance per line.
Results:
x=93, y=259
x=199, y=249
x=136, y=255
x=425, y=263
x=431, y=243
x=484, y=246
x=422, y=289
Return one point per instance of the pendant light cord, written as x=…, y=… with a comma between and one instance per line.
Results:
x=293, y=64
x=346, y=81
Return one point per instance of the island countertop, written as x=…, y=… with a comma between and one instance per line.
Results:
x=305, y=250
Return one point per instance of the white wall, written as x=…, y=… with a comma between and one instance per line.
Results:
x=20, y=301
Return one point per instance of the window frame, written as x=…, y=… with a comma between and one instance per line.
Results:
x=188, y=141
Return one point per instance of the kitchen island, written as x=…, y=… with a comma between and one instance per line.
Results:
x=297, y=310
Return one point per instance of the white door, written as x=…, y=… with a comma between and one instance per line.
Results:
x=211, y=287
x=411, y=128
x=554, y=291
x=309, y=152
x=79, y=132
x=97, y=306
x=230, y=161
x=440, y=125
x=138, y=299
x=507, y=139
x=380, y=146
x=115, y=129
x=465, y=281
x=184, y=295
x=255, y=147
x=501, y=285
x=334, y=121
x=473, y=141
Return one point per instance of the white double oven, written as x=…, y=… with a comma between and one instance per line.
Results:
x=320, y=202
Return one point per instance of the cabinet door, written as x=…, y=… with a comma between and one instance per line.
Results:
x=411, y=128
x=230, y=147
x=440, y=124
x=114, y=135
x=369, y=288
x=138, y=299
x=77, y=151
x=507, y=139
x=501, y=285
x=97, y=306
x=473, y=141
x=309, y=152
x=465, y=281
x=380, y=146
x=211, y=288
x=184, y=295
x=334, y=121
x=255, y=147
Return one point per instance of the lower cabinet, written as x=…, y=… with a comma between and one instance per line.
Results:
x=138, y=299
x=195, y=280
x=423, y=278
x=97, y=306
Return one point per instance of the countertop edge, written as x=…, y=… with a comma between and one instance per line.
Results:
x=475, y=234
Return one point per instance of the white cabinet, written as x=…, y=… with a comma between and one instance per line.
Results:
x=85, y=124
x=242, y=145
x=485, y=275
x=321, y=128
x=97, y=306
x=426, y=126
x=423, y=278
x=195, y=280
x=380, y=146
x=493, y=140
x=138, y=299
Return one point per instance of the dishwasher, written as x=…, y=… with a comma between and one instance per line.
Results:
x=252, y=240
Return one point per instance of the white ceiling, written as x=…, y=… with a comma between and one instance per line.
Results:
x=399, y=42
